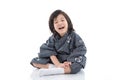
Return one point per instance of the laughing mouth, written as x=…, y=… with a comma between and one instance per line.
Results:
x=61, y=28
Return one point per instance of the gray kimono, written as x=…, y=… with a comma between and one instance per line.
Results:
x=68, y=48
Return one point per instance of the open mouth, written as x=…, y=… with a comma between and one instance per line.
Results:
x=61, y=28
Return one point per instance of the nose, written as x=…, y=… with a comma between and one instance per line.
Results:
x=59, y=23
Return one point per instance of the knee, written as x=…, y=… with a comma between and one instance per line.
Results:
x=34, y=60
x=40, y=60
x=75, y=68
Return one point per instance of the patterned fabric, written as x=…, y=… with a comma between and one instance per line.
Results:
x=70, y=47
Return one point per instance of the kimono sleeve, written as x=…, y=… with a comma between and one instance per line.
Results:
x=78, y=53
x=47, y=49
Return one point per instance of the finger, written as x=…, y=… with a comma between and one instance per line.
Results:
x=70, y=63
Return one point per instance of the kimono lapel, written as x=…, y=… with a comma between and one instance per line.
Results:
x=62, y=44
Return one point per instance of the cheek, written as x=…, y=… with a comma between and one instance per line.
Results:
x=55, y=27
x=66, y=23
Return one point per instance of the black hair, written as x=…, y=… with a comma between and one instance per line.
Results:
x=54, y=15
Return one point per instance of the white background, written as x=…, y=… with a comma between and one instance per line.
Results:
x=24, y=27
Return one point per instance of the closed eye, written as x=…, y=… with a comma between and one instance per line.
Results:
x=62, y=20
x=55, y=22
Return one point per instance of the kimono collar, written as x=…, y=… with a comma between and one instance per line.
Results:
x=58, y=37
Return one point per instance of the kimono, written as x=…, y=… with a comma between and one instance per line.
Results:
x=70, y=48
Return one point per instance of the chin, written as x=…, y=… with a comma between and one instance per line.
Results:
x=62, y=34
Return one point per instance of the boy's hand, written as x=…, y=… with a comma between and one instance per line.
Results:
x=67, y=64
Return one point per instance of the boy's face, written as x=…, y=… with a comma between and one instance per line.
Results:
x=60, y=25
